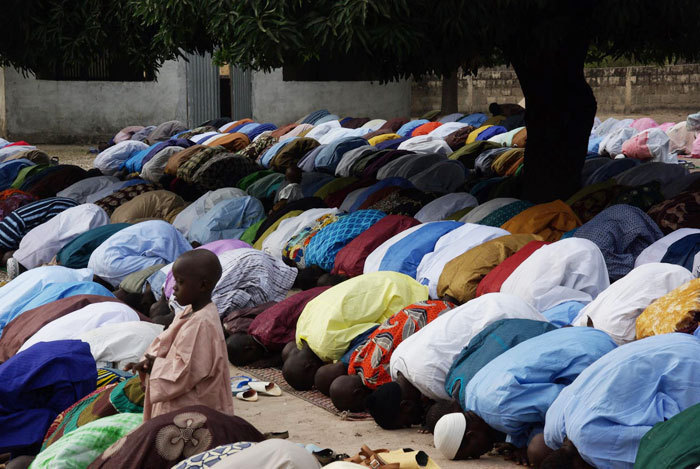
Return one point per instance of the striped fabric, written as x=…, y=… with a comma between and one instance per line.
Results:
x=18, y=223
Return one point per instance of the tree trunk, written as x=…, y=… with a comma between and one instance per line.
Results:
x=450, y=93
x=559, y=112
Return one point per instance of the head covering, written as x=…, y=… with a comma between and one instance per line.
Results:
x=449, y=432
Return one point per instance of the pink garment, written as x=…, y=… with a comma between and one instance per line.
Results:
x=217, y=247
x=646, y=145
x=296, y=131
x=695, y=150
x=681, y=139
x=191, y=365
x=644, y=123
x=126, y=133
x=666, y=126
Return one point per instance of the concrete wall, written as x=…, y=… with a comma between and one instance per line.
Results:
x=280, y=102
x=628, y=90
x=45, y=111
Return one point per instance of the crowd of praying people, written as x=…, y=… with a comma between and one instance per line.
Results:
x=388, y=264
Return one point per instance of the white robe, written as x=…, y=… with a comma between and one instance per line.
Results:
x=616, y=309
x=571, y=269
x=183, y=221
x=278, y=239
x=657, y=250
x=425, y=358
x=451, y=245
x=85, y=319
x=43, y=242
x=116, y=344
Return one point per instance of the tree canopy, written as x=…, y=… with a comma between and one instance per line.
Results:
x=39, y=35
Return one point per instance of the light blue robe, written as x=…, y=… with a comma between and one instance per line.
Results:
x=513, y=392
x=607, y=410
x=405, y=255
x=226, y=220
x=20, y=291
x=135, y=248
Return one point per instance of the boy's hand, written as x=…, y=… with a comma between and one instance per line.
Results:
x=144, y=365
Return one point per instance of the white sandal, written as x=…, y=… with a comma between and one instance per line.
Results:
x=250, y=395
x=265, y=388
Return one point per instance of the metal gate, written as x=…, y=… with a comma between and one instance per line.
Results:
x=241, y=93
x=203, y=92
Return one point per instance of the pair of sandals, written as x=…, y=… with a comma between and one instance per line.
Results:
x=248, y=389
x=405, y=458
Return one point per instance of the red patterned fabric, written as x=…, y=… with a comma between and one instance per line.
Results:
x=370, y=361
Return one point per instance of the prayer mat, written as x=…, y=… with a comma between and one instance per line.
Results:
x=314, y=397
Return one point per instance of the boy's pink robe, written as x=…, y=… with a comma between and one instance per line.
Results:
x=191, y=365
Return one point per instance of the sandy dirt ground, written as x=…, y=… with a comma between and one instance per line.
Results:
x=307, y=423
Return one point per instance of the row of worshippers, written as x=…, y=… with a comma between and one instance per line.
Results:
x=119, y=260
x=496, y=370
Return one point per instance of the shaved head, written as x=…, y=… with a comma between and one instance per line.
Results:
x=200, y=263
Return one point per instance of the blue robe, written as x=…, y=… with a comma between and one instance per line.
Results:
x=488, y=344
x=37, y=385
x=607, y=410
x=15, y=295
x=405, y=255
x=513, y=392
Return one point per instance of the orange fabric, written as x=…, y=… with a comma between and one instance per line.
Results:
x=10, y=192
x=520, y=139
x=232, y=142
x=191, y=365
x=425, y=129
x=550, y=221
x=180, y=157
x=282, y=130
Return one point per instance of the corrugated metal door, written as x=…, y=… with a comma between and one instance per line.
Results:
x=203, y=93
x=241, y=93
